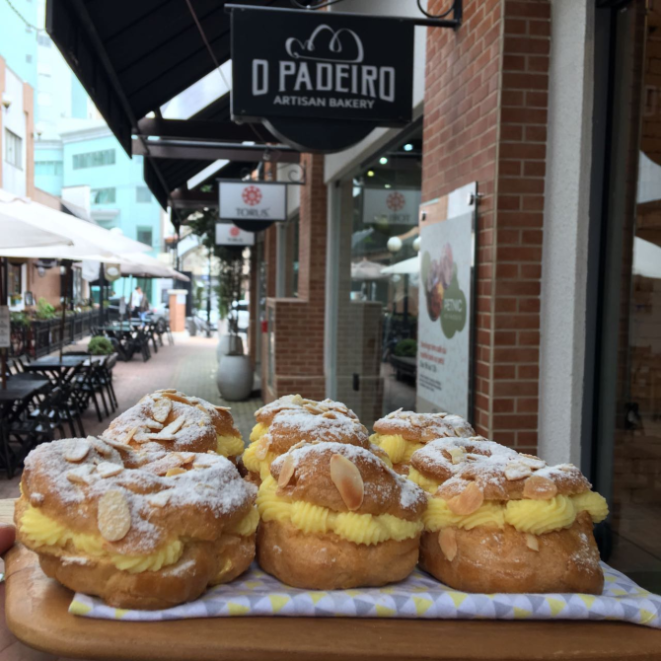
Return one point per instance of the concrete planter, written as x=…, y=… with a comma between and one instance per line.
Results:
x=234, y=378
x=191, y=326
x=229, y=344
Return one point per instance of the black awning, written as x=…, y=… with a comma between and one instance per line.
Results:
x=132, y=56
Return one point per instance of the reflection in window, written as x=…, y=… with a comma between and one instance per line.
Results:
x=142, y=194
x=144, y=235
x=103, y=195
x=48, y=168
x=13, y=149
x=94, y=159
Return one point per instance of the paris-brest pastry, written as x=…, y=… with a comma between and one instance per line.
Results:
x=500, y=521
x=264, y=415
x=401, y=433
x=335, y=516
x=176, y=422
x=310, y=422
x=141, y=530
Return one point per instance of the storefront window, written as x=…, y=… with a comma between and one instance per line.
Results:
x=378, y=282
x=628, y=404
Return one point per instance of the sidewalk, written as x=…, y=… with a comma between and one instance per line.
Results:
x=189, y=366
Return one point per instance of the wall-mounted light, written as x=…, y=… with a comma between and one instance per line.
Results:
x=408, y=147
x=388, y=186
x=394, y=244
x=41, y=271
x=370, y=173
x=39, y=129
x=416, y=244
x=383, y=160
x=7, y=100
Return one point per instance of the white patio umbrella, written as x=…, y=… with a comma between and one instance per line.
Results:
x=22, y=234
x=85, y=240
x=405, y=267
x=146, y=266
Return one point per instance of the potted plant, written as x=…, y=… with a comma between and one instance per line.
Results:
x=100, y=346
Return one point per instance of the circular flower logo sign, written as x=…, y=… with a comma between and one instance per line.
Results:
x=395, y=201
x=234, y=232
x=251, y=196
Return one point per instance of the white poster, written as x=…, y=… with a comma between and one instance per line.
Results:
x=252, y=200
x=395, y=207
x=228, y=234
x=445, y=314
x=5, y=326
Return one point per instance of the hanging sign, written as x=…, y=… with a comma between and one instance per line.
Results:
x=445, y=318
x=5, y=327
x=228, y=234
x=321, y=81
x=394, y=207
x=252, y=201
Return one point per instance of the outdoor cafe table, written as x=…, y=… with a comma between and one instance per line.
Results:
x=60, y=369
x=21, y=388
x=37, y=613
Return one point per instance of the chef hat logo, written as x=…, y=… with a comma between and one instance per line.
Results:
x=327, y=45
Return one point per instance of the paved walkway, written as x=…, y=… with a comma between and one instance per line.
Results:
x=189, y=366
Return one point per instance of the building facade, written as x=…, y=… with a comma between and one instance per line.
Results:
x=562, y=144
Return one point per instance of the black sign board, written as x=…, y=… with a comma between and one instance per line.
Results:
x=321, y=80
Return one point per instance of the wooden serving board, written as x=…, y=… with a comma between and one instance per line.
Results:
x=36, y=610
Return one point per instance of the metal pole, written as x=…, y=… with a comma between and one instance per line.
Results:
x=67, y=271
x=209, y=299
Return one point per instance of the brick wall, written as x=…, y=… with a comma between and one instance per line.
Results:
x=485, y=121
x=299, y=322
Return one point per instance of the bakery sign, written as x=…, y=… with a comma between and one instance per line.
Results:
x=321, y=69
x=391, y=206
x=252, y=201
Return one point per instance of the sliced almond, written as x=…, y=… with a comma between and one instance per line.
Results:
x=166, y=463
x=114, y=516
x=117, y=445
x=286, y=471
x=165, y=390
x=538, y=487
x=347, y=479
x=142, y=437
x=457, y=455
x=515, y=470
x=159, y=499
x=175, y=471
x=176, y=398
x=262, y=450
x=186, y=457
x=330, y=415
x=162, y=407
x=160, y=436
x=108, y=469
x=447, y=540
x=468, y=501
x=77, y=451
x=131, y=434
x=315, y=410
x=100, y=446
x=153, y=424
x=533, y=462
x=532, y=542
x=173, y=427
x=222, y=408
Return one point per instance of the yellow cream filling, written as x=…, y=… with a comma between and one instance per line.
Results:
x=530, y=516
x=247, y=525
x=256, y=465
x=258, y=431
x=430, y=486
x=229, y=446
x=313, y=519
x=398, y=449
x=52, y=537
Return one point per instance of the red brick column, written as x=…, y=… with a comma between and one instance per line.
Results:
x=485, y=121
x=299, y=322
